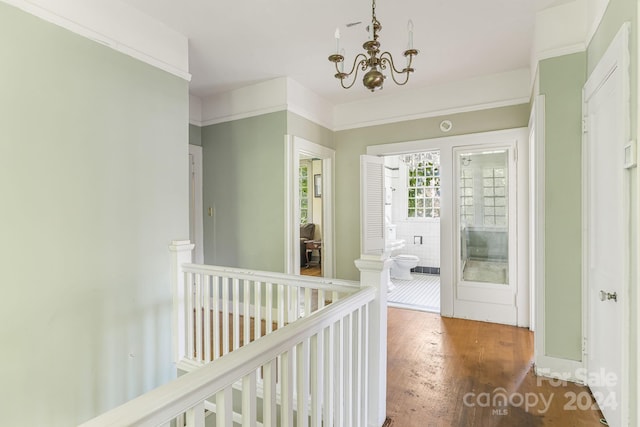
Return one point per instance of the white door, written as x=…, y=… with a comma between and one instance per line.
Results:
x=372, y=226
x=606, y=231
x=485, y=214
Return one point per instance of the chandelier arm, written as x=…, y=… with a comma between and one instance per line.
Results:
x=358, y=62
x=386, y=56
x=362, y=63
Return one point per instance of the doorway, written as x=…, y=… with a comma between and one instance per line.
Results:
x=465, y=298
x=309, y=199
x=485, y=217
x=412, y=221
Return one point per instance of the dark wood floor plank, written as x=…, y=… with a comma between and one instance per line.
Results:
x=445, y=372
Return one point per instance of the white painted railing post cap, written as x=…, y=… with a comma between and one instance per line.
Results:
x=373, y=262
x=181, y=245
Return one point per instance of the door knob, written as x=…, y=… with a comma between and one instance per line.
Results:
x=605, y=296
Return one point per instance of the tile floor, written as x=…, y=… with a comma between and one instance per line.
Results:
x=422, y=293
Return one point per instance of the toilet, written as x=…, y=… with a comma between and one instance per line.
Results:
x=402, y=264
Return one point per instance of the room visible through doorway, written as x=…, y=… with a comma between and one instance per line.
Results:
x=412, y=221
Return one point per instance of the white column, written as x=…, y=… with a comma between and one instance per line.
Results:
x=374, y=272
x=180, y=254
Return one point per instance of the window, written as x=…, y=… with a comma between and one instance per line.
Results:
x=423, y=184
x=494, y=187
x=467, y=210
x=304, y=193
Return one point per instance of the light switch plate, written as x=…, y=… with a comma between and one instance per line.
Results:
x=631, y=154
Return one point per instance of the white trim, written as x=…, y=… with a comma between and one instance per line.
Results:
x=508, y=304
x=245, y=115
x=294, y=147
x=397, y=119
x=561, y=51
x=556, y=367
x=196, y=153
x=537, y=224
x=637, y=263
x=615, y=58
x=278, y=94
x=437, y=143
x=435, y=113
x=285, y=94
x=445, y=145
x=482, y=92
x=119, y=27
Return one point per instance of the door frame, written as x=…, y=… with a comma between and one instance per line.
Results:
x=616, y=58
x=195, y=152
x=468, y=294
x=294, y=148
x=446, y=145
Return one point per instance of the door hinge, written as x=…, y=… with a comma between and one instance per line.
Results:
x=515, y=155
x=584, y=346
x=585, y=125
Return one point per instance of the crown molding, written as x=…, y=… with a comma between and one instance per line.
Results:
x=284, y=94
x=244, y=115
x=561, y=51
x=437, y=113
x=118, y=26
x=490, y=91
x=263, y=98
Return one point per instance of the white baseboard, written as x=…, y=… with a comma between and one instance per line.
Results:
x=558, y=368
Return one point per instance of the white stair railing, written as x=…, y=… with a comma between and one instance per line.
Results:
x=224, y=308
x=307, y=361
x=326, y=353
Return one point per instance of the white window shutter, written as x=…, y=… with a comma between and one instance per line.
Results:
x=372, y=205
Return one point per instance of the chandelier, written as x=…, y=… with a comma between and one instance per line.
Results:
x=373, y=79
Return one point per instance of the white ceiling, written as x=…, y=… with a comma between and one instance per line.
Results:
x=237, y=43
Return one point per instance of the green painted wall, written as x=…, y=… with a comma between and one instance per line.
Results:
x=243, y=181
x=350, y=144
x=304, y=128
x=619, y=12
x=93, y=191
x=195, y=135
x=561, y=81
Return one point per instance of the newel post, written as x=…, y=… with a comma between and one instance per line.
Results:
x=180, y=254
x=374, y=272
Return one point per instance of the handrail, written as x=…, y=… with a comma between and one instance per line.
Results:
x=280, y=278
x=161, y=405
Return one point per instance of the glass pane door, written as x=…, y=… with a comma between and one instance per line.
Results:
x=483, y=197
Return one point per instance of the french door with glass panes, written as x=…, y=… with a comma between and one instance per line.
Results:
x=485, y=207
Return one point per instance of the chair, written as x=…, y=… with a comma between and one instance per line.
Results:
x=307, y=232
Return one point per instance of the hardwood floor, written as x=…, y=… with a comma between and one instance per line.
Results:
x=445, y=372
x=313, y=270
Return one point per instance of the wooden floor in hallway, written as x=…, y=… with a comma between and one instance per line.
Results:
x=445, y=372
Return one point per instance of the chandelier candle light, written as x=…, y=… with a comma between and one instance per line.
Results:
x=373, y=79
